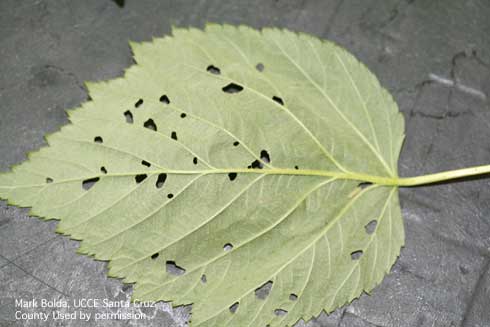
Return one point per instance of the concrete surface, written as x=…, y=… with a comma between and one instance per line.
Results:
x=433, y=56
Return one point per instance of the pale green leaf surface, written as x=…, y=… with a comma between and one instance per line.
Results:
x=294, y=227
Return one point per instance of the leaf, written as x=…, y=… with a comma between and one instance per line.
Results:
x=226, y=169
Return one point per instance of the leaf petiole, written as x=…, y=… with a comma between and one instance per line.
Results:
x=443, y=176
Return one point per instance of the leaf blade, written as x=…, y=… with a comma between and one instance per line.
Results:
x=334, y=125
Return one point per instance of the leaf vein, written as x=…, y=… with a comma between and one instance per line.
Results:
x=198, y=227
x=350, y=123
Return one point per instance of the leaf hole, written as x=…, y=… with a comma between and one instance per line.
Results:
x=129, y=117
x=236, y=143
x=170, y=195
x=138, y=103
x=293, y=297
x=89, y=183
x=232, y=88
x=173, y=269
x=264, y=156
x=161, y=180
x=154, y=256
x=280, y=312
x=183, y=115
x=371, y=226
x=98, y=139
x=194, y=161
x=145, y=163
x=296, y=167
x=263, y=291
x=232, y=176
x=139, y=178
x=174, y=135
x=204, y=279
x=256, y=164
x=356, y=255
x=213, y=70
x=278, y=100
x=260, y=67
x=363, y=185
x=150, y=124
x=103, y=170
x=49, y=180
x=164, y=99
x=234, y=307
x=228, y=247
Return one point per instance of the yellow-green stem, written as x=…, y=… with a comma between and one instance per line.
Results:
x=444, y=176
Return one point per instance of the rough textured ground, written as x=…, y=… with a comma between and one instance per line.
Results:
x=433, y=56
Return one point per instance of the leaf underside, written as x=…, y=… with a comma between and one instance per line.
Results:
x=207, y=175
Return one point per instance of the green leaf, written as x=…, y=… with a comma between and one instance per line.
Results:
x=234, y=155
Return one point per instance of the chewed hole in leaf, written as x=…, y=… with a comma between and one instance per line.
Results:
x=236, y=143
x=363, y=185
x=129, y=117
x=232, y=176
x=183, y=115
x=256, y=164
x=260, y=67
x=280, y=312
x=228, y=247
x=264, y=156
x=194, y=160
x=138, y=103
x=278, y=100
x=103, y=170
x=49, y=180
x=234, y=307
x=98, y=139
x=161, y=180
x=204, y=279
x=145, y=163
x=89, y=183
x=150, y=124
x=170, y=195
x=173, y=269
x=174, y=135
x=139, y=178
x=356, y=255
x=263, y=291
x=232, y=88
x=154, y=256
x=164, y=99
x=293, y=297
x=213, y=70
x=371, y=226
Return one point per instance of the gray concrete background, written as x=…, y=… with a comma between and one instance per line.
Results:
x=432, y=55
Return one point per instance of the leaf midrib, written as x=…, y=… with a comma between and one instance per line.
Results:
x=379, y=180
